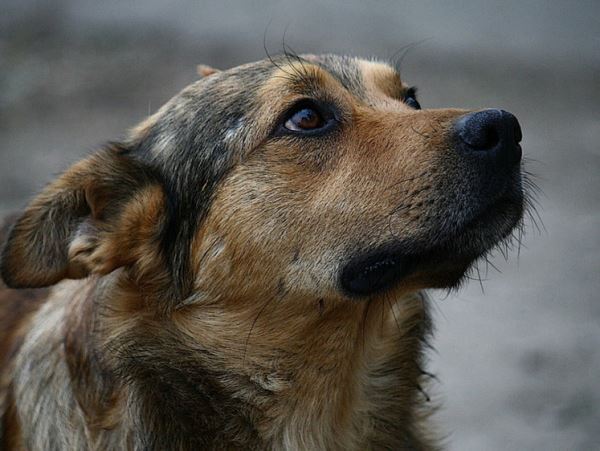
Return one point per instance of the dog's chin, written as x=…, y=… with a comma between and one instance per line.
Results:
x=442, y=265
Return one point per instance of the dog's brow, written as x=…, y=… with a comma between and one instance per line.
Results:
x=382, y=78
x=345, y=70
x=307, y=71
x=302, y=76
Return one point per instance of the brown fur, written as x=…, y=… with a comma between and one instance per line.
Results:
x=16, y=308
x=229, y=330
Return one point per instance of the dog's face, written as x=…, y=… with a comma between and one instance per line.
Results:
x=344, y=187
x=312, y=178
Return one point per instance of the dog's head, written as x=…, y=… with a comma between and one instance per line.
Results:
x=316, y=177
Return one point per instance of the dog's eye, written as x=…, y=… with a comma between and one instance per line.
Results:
x=307, y=117
x=410, y=98
x=303, y=118
x=413, y=103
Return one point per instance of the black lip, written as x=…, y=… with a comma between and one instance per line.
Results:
x=376, y=272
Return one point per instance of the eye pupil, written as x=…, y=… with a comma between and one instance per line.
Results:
x=306, y=119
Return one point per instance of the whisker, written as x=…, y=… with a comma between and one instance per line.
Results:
x=270, y=57
x=252, y=327
x=364, y=322
x=397, y=58
x=423, y=135
x=479, y=277
x=390, y=305
x=423, y=392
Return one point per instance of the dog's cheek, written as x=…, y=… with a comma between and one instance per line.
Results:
x=256, y=237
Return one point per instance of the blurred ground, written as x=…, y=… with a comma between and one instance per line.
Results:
x=519, y=364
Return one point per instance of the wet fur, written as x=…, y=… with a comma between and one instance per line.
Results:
x=205, y=310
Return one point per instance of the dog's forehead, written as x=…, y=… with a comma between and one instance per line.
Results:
x=358, y=76
x=347, y=70
x=362, y=78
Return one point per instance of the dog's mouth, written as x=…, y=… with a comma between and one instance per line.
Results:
x=440, y=265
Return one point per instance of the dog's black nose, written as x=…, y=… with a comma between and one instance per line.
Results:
x=491, y=134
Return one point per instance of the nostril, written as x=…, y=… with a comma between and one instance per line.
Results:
x=489, y=138
x=480, y=131
x=493, y=134
x=512, y=125
x=517, y=130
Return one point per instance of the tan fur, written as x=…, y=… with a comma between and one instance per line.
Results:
x=205, y=71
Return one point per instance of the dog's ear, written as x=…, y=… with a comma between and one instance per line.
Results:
x=206, y=71
x=101, y=214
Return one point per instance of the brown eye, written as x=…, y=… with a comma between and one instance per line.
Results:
x=306, y=118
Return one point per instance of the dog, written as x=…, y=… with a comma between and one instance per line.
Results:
x=245, y=270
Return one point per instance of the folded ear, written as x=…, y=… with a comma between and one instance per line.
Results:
x=101, y=214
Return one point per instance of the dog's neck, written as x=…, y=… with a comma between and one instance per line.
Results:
x=311, y=376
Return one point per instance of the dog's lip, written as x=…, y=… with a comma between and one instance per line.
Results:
x=375, y=271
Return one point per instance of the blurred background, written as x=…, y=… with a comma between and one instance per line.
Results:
x=518, y=357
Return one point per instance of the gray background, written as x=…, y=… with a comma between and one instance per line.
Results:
x=519, y=361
